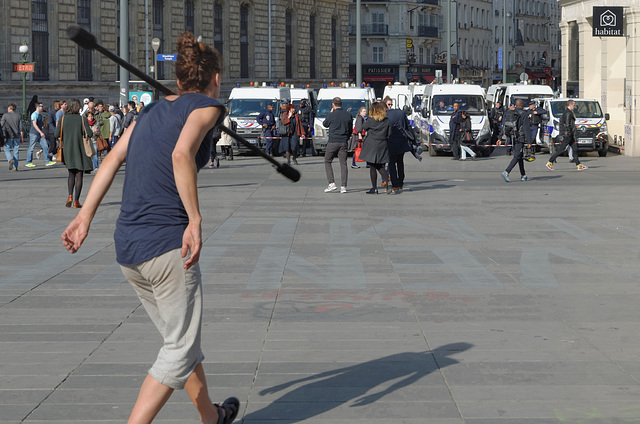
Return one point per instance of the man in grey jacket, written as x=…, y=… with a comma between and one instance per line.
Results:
x=11, y=127
x=340, y=124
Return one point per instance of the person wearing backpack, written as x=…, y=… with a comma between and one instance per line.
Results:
x=521, y=137
x=508, y=128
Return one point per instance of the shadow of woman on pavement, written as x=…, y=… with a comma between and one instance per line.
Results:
x=302, y=403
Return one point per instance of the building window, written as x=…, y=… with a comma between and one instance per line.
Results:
x=189, y=20
x=378, y=54
x=158, y=32
x=40, y=39
x=84, y=56
x=377, y=23
x=312, y=47
x=334, y=46
x=288, y=41
x=217, y=27
x=244, y=41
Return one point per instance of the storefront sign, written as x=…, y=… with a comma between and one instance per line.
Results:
x=607, y=21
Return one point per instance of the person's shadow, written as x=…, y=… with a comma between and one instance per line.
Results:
x=359, y=379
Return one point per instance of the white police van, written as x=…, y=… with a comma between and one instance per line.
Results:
x=507, y=94
x=246, y=103
x=592, y=133
x=436, y=112
x=353, y=98
x=407, y=97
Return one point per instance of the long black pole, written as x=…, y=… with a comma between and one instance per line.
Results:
x=88, y=41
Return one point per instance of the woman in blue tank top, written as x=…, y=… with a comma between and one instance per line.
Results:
x=158, y=233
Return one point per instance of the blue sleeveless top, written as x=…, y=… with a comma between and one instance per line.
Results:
x=152, y=217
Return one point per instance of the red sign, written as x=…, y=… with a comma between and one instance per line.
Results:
x=23, y=67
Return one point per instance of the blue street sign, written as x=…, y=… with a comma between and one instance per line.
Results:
x=499, y=57
x=167, y=57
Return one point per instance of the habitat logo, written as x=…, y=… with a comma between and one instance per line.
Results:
x=607, y=21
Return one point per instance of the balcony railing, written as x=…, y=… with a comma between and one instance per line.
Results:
x=427, y=31
x=371, y=29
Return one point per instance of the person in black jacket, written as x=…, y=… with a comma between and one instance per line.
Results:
x=340, y=124
x=509, y=119
x=306, y=118
x=465, y=136
x=567, y=136
x=375, y=150
x=495, y=118
x=521, y=137
x=454, y=129
x=399, y=144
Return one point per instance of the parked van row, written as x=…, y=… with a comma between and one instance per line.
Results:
x=429, y=108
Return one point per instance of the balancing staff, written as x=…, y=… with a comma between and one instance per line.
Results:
x=158, y=233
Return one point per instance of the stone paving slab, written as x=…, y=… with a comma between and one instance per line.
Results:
x=461, y=300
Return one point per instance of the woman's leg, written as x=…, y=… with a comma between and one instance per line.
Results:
x=383, y=172
x=152, y=397
x=374, y=175
x=71, y=180
x=79, y=180
x=196, y=388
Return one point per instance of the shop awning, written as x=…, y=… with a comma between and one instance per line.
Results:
x=538, y=75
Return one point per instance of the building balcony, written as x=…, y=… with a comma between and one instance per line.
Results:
x=427, y=31
x=371, y=29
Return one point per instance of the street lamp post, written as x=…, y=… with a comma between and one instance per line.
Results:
x=504, y=42
x=24, y=49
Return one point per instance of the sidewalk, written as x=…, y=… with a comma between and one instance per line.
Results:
x=461, y=300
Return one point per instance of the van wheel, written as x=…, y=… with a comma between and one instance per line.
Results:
x=602, y=153
x=314, y=152
x=432, y=151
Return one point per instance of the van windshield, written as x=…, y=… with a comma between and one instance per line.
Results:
x=443, y=104
x=249, y=107
x=350, y=105
x=527, y=97
x=584, y=109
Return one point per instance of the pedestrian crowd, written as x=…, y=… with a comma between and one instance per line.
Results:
x=91, y=120
x=380, y=137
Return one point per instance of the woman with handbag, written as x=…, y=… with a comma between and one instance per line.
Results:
x=71, y=131
x=95, y=132
x=466, y=137
x=375, y=150
x=289, y=140
x=358, y=134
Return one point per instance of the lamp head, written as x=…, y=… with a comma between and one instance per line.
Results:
x=24, y=49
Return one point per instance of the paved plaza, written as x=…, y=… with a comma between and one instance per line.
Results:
x=462, y=300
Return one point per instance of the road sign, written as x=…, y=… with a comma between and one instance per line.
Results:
x=155, y=44
x=168, y=57
x=24, y=67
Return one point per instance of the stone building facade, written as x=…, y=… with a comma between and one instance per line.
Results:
x=606, y=68
x=400, y=40
x=300, y=41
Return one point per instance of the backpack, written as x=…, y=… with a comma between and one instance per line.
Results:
x=510, y=123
